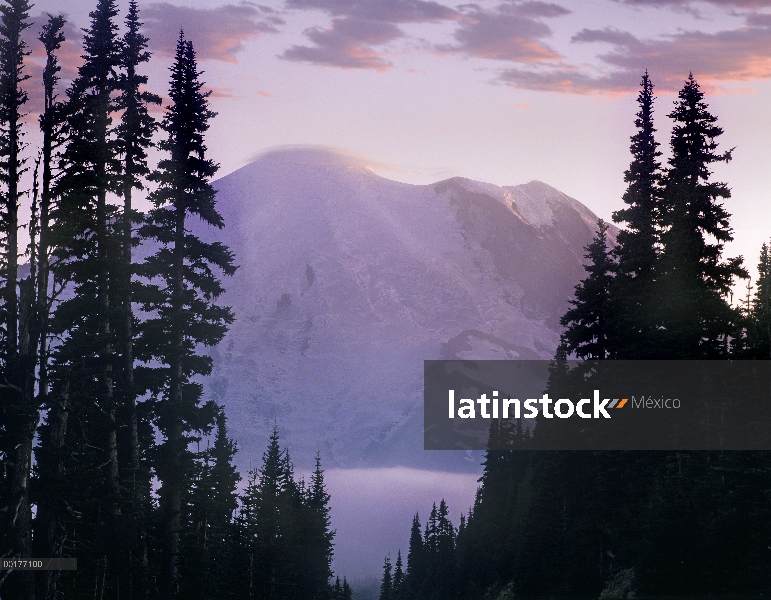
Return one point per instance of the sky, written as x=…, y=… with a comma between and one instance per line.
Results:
x=502, y=91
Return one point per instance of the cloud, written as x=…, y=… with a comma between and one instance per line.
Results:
x=688, y=3
x=568, y=79
x=609, y=35
x=347, y=44
x=536, y=9
x=388, y=11
x=217, y=33
x=502, y=37
x=510, y=32
x=222, y=92
x=358, y=26
x=742, y=54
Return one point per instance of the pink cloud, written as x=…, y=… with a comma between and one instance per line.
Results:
x=387, y=11
x=223, y=93
x=688, y=3
x=509, y=33
x=358, y=26
x=742, y=54
x=347, y=44
x=217, y=33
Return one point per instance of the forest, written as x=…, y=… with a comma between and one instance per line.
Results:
x=623, y=524
x=110, y=453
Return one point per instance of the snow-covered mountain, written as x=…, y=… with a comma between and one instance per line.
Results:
x=348, y=281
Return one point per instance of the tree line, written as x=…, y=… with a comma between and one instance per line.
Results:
x=614, y=524
x=109, y=451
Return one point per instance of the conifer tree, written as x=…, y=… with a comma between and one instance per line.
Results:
x=386, y=583
x=443, y=559
x=318, y=546
x=347, y=591
x=14, y=15
x=273, y=535
x=185, y=315
x=633, y=321
x=398, y=592
x=586, y=324
x=51, y=125
x=245, y=534
x=134, y=137
x=207, y=551
x=759, y=318
x=416, y=561
x=272, y=491
x=84, y=243
x=18, y=327
x=48, y=454
x=695, y=279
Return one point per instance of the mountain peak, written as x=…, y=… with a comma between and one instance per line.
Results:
x=311, y=155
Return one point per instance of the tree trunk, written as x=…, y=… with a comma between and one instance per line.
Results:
x=176, y=439
x=49, y=517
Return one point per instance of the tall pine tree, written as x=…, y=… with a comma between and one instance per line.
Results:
x=416, y=560
x=759, y=319
x=586, y=324
x=695, y=280
x=386, y=582
x=84, y=241
x=183, y=285
x=134, y=137
x=317, y=547
x=207, y=549
x=633, y=314
x=48, y=454
x=18, y=327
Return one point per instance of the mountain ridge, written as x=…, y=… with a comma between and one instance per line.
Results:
x=349, y=280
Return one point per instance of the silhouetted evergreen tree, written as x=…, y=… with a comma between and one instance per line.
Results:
x=347, y=591
x=85, y=252
x=19, y=329
x=633, y=296
x=586, y=324
x=51, y=126
x=282, y=541
x=758, y=338
x=696, y=317
x=416, y=560
x=246, y=559
x=49, y=535
x=386, y=583
x=180, y=294
x=316, y=538
x=207, y=551
x=134, y=137
x=397, y=588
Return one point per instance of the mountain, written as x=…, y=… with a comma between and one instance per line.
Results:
x=348, y=281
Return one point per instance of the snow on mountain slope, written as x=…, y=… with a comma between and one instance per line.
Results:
x=348, y=281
